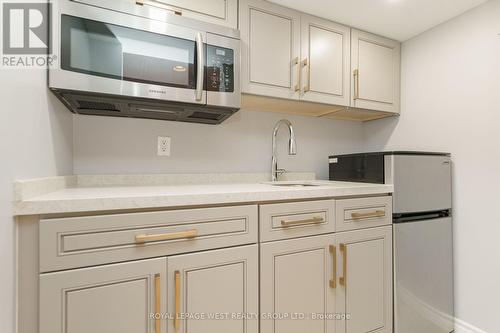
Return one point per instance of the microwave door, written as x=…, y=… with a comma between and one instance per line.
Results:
x=113, y=53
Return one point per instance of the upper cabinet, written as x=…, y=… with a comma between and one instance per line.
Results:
x=297, y=63
x=375, y=64
x=325, y=61
x=221, y=12
x=270, y=49
x=295, y=57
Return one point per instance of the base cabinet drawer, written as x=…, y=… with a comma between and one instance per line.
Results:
x=362, y=213
x=104, y=299
x=92, y=240
x=296, y=219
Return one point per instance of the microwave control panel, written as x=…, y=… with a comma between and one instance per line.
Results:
x=220, y=69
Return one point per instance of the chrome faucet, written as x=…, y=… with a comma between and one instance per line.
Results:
x=292, y=148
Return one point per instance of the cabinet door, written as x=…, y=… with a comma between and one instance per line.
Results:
x=295, y=278
x=365, y=280
x=210, y=283
x=222, y=12
x=270, y=49
x=104, y=299
x=325, y=61
x=375, y=64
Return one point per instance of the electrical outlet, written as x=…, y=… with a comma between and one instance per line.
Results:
x=164, y=143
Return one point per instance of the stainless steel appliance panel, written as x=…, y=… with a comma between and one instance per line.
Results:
x=423, y=276
x=422, y=183
x=78, y=81
x=228, y=93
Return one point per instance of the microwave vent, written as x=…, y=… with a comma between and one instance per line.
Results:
x=93, y=105
x=205, y=115
x=120, y=106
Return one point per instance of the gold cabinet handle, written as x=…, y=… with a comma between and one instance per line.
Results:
x=177, y=300
x=158, y=303
x=316, y=219
x=343, y=278
x=307, y=63
x=157, y=5
x=296, y=62
x=333, y=281
x=143, y=238
x=376, y=213
x=356, y=83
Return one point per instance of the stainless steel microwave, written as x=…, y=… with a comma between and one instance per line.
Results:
x=133, y=61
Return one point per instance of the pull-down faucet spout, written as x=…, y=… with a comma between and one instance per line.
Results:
x=292, y=147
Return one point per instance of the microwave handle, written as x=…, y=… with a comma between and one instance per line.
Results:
x=200, y=67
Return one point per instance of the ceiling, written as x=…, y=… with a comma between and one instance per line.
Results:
x=397, y=19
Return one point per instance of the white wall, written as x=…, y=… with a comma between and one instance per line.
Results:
x=241, y=144
x=451, y=102
x=35, y=141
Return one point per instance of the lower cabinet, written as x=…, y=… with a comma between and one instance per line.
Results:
x=364, y=290
x=331, y=283
x=124, y=297
x=304, y=278
x=104, y=299
x=336, y=282
x=294, y=282
x=221, y=285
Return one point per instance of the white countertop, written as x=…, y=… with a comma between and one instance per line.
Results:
x=74, y=198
